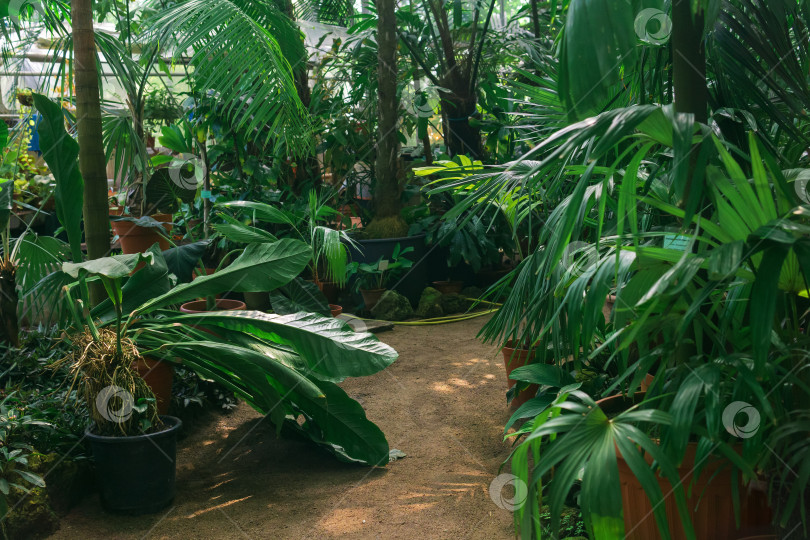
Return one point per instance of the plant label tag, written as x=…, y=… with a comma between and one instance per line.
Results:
x=383, y=265
x=678, y=242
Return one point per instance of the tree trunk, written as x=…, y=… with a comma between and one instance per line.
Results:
x=387, y=193
x=457, y=110
x=535, y=19
x=689, y=61
x=91, y=149
x=9, y=326
x=307, y=167
x=689, y=74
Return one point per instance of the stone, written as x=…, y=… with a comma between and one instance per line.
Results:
x=392, y=307
x=429, y=306
x=453, y=303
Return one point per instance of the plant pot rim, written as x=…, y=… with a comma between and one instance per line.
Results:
x=174, y=424
x=508, y=347
x=194, y=306
x=448, y=281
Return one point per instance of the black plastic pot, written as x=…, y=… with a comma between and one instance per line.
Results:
x=414, y=282
x=135, y=475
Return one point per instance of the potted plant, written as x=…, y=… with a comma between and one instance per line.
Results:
x=149, y=220
x=372, y=280
x=329, y=247
x=285, y=366
x=134, y=448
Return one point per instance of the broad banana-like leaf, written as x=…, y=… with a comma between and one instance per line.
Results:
x=341, y=426
x=330, y=348
x=150, y=281
x=116, y=267
x=261, y=267
x=270, y=385
x=61, y=153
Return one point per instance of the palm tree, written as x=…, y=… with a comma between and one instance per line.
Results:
x=387, y=222
x=92, y=164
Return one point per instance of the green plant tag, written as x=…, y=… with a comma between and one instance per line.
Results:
x=677, y=242
x=383, y=266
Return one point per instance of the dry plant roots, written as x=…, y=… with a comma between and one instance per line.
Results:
x=118, y=399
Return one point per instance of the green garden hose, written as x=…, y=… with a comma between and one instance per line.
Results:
x=447, y=319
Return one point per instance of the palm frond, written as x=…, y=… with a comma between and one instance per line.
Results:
x=235, y=55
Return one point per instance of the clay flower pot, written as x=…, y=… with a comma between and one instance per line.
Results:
x=514, y=358
x=222, y=304
x=710, y=500
x=137, y=239
x=336, y=310
x=371, y=296
x=159, y=376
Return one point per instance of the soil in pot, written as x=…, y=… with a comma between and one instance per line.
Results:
x=448, y=287
x=710, y=500
x=514, y=358
x=137, y=239
x=135, y=475
x=159, y=376
x=371, y=297
x=221, y=304
x=335, y=309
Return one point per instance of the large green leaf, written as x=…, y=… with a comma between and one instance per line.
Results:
x=116, y=267
x=330, y=348
x=341, y=426
x=61, y=153
x=299, y=295
x=275, y=388
x=181, y=260
x=261, y=267
x=150, y=281
x=6, y=198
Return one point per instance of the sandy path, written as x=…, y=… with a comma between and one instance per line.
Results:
x=442, y=403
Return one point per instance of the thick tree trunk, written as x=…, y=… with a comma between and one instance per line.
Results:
x=689, y=61
x=689, y=73
x=91, y=149
x=388, y=190
x=460, y=136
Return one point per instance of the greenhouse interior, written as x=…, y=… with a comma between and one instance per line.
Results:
x=405, y=269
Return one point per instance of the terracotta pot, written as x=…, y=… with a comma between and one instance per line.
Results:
x=607, y=309
x=336, y=310
x=159, y=376
x=224, y=304
x=512, y=359
x=330, y=290
x=448, y=287
x=258, y=301
x=371, y=296
x=710, y=500
x=137, y=239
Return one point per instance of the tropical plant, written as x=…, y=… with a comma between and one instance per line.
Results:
x=284, y=366
x=329, y=257
x=379, y=274
x=704, y=253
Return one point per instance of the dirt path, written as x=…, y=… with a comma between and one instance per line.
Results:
x=442, y=403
